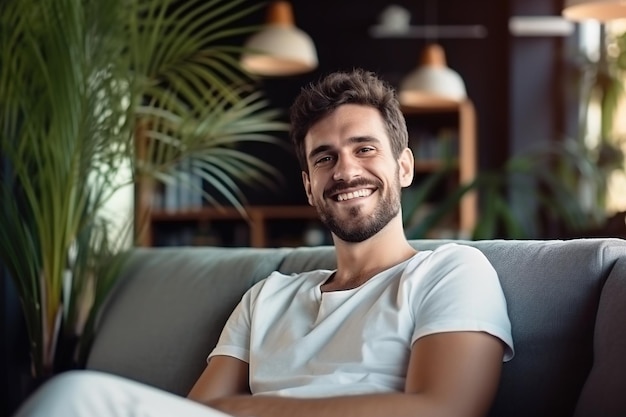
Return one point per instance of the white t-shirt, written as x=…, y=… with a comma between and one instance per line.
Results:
x=301, y=342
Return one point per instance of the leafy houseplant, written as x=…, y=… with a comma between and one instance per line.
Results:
x=562, y=183
x=544, y=181
x=79, y=79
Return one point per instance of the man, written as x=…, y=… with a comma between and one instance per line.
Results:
x=352, y=341
x=390, y=332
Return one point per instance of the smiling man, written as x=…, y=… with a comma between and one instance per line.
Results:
x=389, y=332
x=352, y=176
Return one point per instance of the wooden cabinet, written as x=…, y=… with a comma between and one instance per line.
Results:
x=446, y=134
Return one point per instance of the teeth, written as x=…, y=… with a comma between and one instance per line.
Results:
x=354, y=194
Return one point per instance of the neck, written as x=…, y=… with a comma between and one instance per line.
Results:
x=358, y=262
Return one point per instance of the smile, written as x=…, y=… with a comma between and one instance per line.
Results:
x=354, y=194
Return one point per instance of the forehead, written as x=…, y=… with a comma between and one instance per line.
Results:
x=346, y=122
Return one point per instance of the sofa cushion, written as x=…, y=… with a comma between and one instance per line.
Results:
x=168, y=310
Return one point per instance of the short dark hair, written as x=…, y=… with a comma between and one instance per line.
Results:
x=316, y=101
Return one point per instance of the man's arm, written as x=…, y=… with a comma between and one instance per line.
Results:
x=224, y=376
x=452, y=374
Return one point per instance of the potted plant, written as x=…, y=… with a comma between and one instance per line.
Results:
x=79, y=80
x=557, y=189
x=517, y=201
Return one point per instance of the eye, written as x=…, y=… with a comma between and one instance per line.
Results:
x=366, y=149
x=323, y=160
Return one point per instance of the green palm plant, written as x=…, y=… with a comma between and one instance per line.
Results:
x=82, y=82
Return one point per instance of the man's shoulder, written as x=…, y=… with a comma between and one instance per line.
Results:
x=280, y=280
x=454, y=250
x=448, y=261
x=301, y=275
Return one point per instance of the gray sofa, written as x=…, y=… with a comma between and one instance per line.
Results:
x=566, y=300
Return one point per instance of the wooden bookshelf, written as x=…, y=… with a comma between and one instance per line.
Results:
x=459, y=118
x=257, y=219
x=258, y=224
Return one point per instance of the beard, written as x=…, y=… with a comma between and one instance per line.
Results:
x=358, y=227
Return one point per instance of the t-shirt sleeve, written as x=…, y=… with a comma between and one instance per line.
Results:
x=235, y=337
x=460, y=291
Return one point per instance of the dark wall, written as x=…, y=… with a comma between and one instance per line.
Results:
x=5, y=345
x=538, y=87
x=14, y=359
x=14, y=353
x=542, y=96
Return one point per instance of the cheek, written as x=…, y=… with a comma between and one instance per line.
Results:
x=314, y=190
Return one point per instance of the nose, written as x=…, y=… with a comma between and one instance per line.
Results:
x=347, y=167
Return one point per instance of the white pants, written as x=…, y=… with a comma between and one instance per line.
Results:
x=96, y=394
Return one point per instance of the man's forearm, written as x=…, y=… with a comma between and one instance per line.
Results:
x=375, y=405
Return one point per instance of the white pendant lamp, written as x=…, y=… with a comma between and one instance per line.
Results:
x=280, y=48
x=433, y=83
x=601, y=10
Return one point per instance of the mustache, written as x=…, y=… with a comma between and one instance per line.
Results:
x=359, y=182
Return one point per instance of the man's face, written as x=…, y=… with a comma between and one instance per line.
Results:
x=354, y=181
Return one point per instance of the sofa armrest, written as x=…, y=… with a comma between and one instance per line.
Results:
x=604, y=392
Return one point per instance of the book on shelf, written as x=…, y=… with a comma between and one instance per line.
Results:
x=439, y=145
x=182, y=192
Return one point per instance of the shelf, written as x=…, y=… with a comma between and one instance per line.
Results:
x=256, y=219
x=427, y=166
x=230, y=213
x=441, y=134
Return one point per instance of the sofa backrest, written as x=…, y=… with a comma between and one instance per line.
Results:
x=168, y=308
x=553, y=290
x=170, y=305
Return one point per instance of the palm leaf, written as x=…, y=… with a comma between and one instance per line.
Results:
x=78, y=81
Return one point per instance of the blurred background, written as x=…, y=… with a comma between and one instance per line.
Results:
x=539, y=153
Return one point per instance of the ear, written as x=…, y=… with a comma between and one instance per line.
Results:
x=406, y=162
x=307, y=187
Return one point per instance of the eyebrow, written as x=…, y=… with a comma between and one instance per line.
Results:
x=352, y=140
